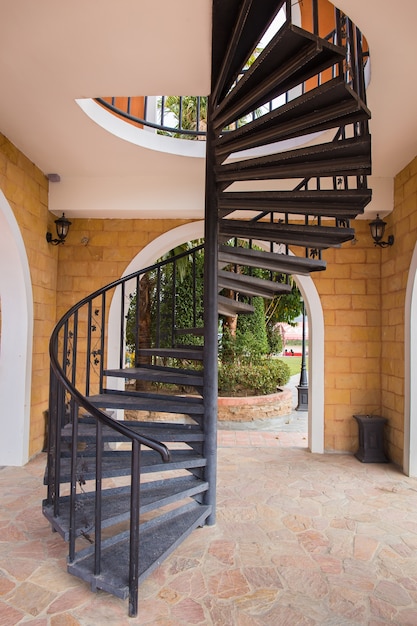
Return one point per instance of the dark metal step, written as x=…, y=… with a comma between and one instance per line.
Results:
x=158, y=539
x=189, y=353
x=136, y=401
x=336, y=158
x=291, y=234
x=198, y=331
x=160, y=431
x=331, y=105
x=291, y=58
x=118, y=463
x=339, y=203
x=287, y=264
x=250, y=285
x=161, y=374
x=239, y=26
x=231, y=308
x=115, y=504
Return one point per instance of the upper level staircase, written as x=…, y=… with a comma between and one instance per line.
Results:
x=288, y=154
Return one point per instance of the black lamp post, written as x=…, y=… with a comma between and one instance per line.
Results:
x=303, y=386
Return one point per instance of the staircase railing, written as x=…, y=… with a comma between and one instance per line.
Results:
x=358, y=129
x=79, y=358
x=159, y=117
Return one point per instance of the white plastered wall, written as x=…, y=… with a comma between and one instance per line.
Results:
x=16, y=341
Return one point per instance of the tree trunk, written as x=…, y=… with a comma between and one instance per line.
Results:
x=144, y=326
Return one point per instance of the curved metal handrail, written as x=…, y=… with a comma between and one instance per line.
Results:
x=71, y=388
x=66, y=343
x=79, y=397
x=193, y=134
x=100, y=415
x=62, y=383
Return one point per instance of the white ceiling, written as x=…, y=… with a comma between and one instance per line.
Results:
x=392, y=94
x=52, y=53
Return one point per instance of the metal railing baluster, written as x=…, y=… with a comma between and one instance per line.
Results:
x=98, y=498
x=74, y=478
x=122, y=358
x=134, y=530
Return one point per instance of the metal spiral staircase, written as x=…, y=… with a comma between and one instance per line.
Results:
x=288, y=154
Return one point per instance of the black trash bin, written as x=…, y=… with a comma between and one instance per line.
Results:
x=371, y=439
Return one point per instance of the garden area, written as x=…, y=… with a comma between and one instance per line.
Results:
x=251, y=360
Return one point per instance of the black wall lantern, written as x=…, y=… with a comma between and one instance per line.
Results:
x=377, y=231
x=62, y=228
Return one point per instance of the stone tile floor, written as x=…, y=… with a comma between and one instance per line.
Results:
x=300, y=540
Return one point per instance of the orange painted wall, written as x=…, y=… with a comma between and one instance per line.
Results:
x=135, y=105
x=325, y=16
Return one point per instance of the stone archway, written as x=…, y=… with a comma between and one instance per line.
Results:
x=195, y=230
x=16, y=341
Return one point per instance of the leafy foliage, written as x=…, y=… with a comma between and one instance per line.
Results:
x=250, y=342
x=252, y=329
x=156, y=299
x=191, y=285
x=131, y=331
x=275, y=343
x=244, y=368
x=261, y=378
x=188, y=113
x=285, y=307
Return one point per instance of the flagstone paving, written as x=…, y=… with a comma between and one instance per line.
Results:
x=300, y=540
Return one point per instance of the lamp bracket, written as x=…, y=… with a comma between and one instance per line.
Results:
x=385, y=244
x=54, y=242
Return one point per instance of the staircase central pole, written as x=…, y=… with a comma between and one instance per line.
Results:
x=210, y=323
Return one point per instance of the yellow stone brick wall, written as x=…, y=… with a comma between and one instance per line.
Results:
x=96, y=253
x=349, y=291
x=61, y=275
x=362, y=294
x=26, y=189
x=112, y=245
x=402, y=223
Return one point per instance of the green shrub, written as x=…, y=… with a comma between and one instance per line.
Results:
x=247, y=379
x=251, y=331
x=274, y=339
x=243, y=347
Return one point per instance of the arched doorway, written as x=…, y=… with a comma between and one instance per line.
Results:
x=16, y=341
x=410, y=371
x=195, y=230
